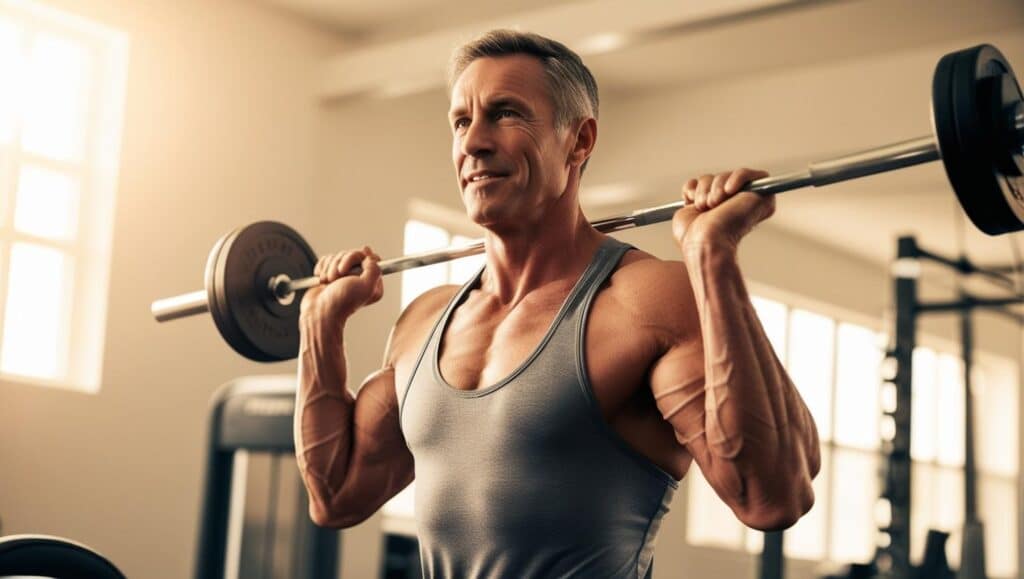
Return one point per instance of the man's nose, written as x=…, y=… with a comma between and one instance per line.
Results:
x=478, y=140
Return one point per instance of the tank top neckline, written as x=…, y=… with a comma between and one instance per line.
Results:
x=442, y=326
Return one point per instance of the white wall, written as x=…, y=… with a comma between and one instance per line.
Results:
x=220, y=129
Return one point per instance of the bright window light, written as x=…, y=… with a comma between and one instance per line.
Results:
x=55, y=98
x=34, y=332
x=996, y=501
x=854, y=492
x=806, y=539
x=403, y=504
x=47, y=204
x=810, y=364
x=61, y=109
x=938, y=503
x=858, y=362
x=995, y=412
x=773, y=316
x=755, y=541
x=10, y=68
x=950, y=417
x=420, y=237
x=709, y=522
x=924, y=405
x=466, y=267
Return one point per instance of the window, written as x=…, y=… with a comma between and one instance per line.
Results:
x=836, y=366
x=421, y=236
x=60, y=125
x=937, y=447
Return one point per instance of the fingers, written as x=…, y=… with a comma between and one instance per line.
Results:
x=716, y=193
x=371, y=274
x=332, y=267
x=709, y=191
x=739, y=179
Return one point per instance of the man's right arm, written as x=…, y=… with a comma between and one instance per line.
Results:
x=350, y=450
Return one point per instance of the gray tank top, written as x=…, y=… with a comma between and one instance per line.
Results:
x=524, y=479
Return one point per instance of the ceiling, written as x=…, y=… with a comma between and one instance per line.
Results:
x=397, y=46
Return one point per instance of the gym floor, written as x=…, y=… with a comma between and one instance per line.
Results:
x=190, y=118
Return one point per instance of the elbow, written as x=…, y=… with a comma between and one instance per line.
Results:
x=323, y=517
x=781, y=513
x=768, y=520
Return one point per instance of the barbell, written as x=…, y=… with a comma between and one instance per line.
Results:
x=255, y=274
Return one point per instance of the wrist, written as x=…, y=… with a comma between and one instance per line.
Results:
x=318, y=325
x=699, y=248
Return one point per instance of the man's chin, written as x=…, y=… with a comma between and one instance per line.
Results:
x=489, y=218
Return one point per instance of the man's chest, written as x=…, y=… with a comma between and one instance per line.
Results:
x=482, y=345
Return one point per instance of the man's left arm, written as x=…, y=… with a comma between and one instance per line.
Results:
x=720, y=385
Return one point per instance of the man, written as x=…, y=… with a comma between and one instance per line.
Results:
x=548, y=407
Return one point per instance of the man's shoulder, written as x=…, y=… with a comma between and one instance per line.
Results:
x=649, y=276
x=419, y=317
x=656, y=291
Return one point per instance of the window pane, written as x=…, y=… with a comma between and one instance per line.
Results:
x=854, y=494
x=858, y=379
x=951, y=411
x=10, y=71
x=997, y=505
x=47, y=204
x=995, y=412
x=709, y=522
x=937, y=499
x=924, y=436
x=810, y=364
x=34, y=320
x=773, y=318
x=806, y=539
x=463, y=269
x=755, y=541
x=55, y=99
x=420, y=237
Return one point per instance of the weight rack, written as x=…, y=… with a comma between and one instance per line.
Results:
x=893, y=555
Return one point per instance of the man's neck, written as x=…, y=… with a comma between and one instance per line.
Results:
x=556, y=249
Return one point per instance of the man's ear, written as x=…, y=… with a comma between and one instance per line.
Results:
x=586, y=138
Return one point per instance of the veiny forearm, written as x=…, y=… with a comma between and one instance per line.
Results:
x=757, y=429
x=324, y=410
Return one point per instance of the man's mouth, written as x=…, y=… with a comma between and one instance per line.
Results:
x=483, y=177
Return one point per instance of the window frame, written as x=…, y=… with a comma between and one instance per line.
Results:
x=87, y=255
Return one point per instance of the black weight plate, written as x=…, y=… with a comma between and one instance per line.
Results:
x=968, y=130
x=249, y=317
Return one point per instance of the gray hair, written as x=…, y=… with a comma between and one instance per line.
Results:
x=572, y=86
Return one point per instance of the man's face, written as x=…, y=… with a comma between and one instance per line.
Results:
x=510, y=160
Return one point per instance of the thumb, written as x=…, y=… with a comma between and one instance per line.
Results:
x=681, y=221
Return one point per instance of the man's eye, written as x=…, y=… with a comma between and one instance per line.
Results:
x=505, y=113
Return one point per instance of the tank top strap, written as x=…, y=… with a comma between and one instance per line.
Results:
x=604, y=263
x=429, y=350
